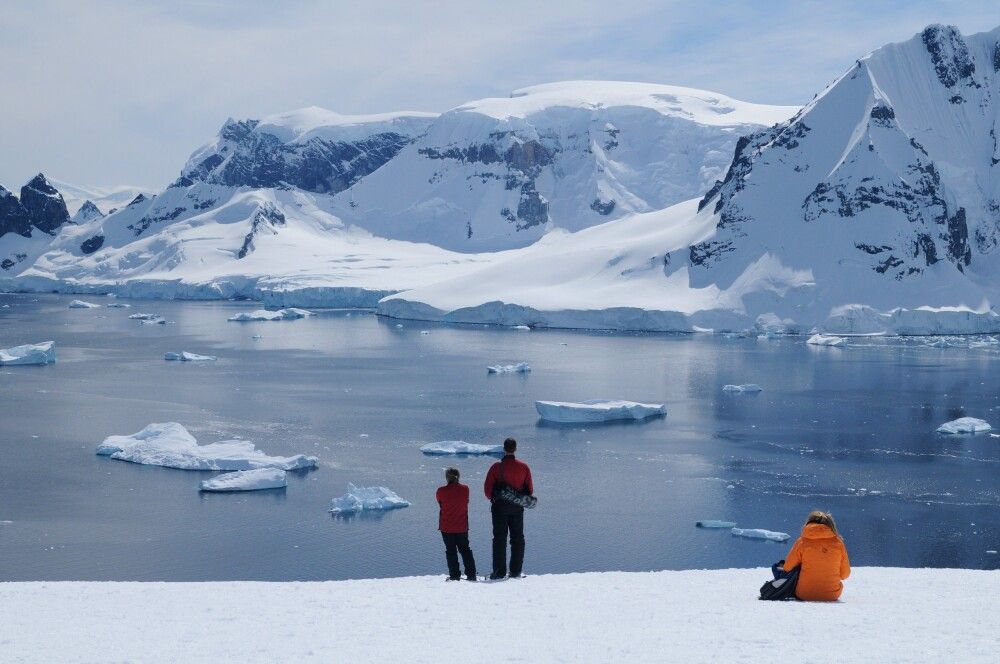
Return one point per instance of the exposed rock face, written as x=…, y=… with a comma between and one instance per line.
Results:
x=87, y=212
x=46, y=207
x=13, y=217
x=265, y=220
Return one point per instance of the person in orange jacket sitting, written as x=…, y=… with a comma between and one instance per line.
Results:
x=822, y=558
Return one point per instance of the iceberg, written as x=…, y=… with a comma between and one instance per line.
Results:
x=170, y=445
x=80, y=304
x=264, y=315
x=965, y=425
x=521, y=367
x=459, y=447
x=522, y=328
x=711, y=523
x=118, y=305
x=247, y=480
x=43, y=353
x=144, y=317
x=597, y=410
x=826, y=340
x=366, y=498
x=185, y=356
x=746, y=387
x=757, y=533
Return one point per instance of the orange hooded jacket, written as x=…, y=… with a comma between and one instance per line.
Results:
x=822, y=557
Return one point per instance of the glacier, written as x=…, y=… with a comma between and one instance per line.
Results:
x=170, y=445
x=597, y=410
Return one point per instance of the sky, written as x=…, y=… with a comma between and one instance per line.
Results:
x=108, y=92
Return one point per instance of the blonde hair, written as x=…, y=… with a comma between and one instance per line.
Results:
x=824, y=518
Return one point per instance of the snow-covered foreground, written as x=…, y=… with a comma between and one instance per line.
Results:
x=887, y=615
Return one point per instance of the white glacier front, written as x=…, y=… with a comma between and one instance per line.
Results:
x=170, y=445
x=597, y=410
x=459, y=447
x=247, y=480
x=366, y=498
x=43, y=353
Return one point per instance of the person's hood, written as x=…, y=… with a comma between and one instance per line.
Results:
x=817, y=531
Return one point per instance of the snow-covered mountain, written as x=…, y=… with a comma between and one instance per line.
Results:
x=105, y=199
x=884, y=192
x=500, y=173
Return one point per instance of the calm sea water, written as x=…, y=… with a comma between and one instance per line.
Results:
x=847, y=430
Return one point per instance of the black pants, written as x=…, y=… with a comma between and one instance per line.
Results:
x=455, y=543
x=507, y=518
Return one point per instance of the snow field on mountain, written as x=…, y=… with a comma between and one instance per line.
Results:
x=890, y=614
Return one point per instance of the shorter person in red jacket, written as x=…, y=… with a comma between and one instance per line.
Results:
x=508, y=517
x=453, y=523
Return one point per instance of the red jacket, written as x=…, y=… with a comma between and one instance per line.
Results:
x=454, y=501
x=516, y=475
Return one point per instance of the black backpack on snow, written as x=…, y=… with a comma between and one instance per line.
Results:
x=781, y=589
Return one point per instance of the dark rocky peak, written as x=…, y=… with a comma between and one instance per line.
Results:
x=140, y=198
x=237, y=130
x=13, y=217
x=950, y=55
x=87, y=212
x=45, y=205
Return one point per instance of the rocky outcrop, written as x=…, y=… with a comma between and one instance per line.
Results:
x=13, y=217
x=45, y=205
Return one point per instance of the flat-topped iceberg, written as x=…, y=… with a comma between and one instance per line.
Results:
x=459, y=447
x=713, y=523
x=170, y=445
x=118, y=305
x=965, y=425
x=520, y=367
x=745, y=388
x=80, y=304
x=758, y=533
x=264, y=315
x=826, y=340
x=43, y=353
x=185, y=356
x=365, y=499
x=597, y=410
x=247, y=480
x=144, y=317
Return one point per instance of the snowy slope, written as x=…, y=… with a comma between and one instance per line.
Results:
x=886, y=615
x=499, y=173
x=883, y=193
x=104, y=198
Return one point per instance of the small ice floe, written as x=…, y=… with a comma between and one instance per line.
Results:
x=118, y=305
x=264, y=315
x=459, y=447
x=826, y=340
x=965, y=425
x=170, y=445
x=80, y=304
x=520, y=367
x=247, y=480
x=43, y=353
x=597, y=410
x=366, y=498
x=711, y=523
x=185, y=356
x=257, y=337
x=425, y=331
x=745, y=388
x=144, y=317
x=757, y=533
x=154, y=321
x=522, y=328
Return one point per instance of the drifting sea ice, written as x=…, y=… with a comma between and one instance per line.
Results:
x=43, y=353
x=185, y=356
x=521, y=367
x=366, y=498
x=522, y=328
x=597, y=410
x=757, y=533
x=118, y=305
x=965, y=425
x=144, y=317
x=264, y=315
x=712, y=523
x=746, y=387
x=170, y=445
x=826, y=340
x=80, y=304
x=459, y=447
x=247, y=480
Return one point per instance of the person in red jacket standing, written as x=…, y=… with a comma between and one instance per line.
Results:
x=508, y=517
x=453, y=523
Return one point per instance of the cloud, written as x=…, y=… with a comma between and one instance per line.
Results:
x=105, y=92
